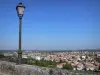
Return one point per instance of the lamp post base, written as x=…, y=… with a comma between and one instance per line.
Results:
x=19, y=58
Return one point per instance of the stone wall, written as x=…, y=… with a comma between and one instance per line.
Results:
x=13, y=69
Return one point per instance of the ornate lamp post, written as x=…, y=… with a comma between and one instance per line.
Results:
x=20, y=11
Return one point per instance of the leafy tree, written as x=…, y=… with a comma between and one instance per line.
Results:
x=24, y=60
x=60, y=61
x=99, y=68
x=97, y=59
x=2, y=55
x=68, y=66
x=41, y=62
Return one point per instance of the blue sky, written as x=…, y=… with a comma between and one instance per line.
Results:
x=51, y=24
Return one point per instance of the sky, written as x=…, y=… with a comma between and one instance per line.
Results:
x=51, y=24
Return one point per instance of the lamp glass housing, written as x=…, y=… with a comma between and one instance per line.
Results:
x=20, y=10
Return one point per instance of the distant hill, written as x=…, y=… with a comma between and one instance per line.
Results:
x=4, y=51
x=89, y=50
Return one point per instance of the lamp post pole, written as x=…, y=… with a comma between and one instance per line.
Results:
x=20, y=42
x=20, y=11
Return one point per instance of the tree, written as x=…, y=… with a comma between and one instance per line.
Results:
x=68, y=66
x=97, y=59
x=99, y=67
x=24, y=60
x=2, y=55
x=41, y=62
x=60, y=61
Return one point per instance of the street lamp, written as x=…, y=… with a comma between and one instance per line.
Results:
x=20, y=11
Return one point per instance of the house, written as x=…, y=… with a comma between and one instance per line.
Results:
x=90, y=66
x=60, y=65
x=24, y=56
x=38, y=58
x=98, y=54
x=80, y=66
